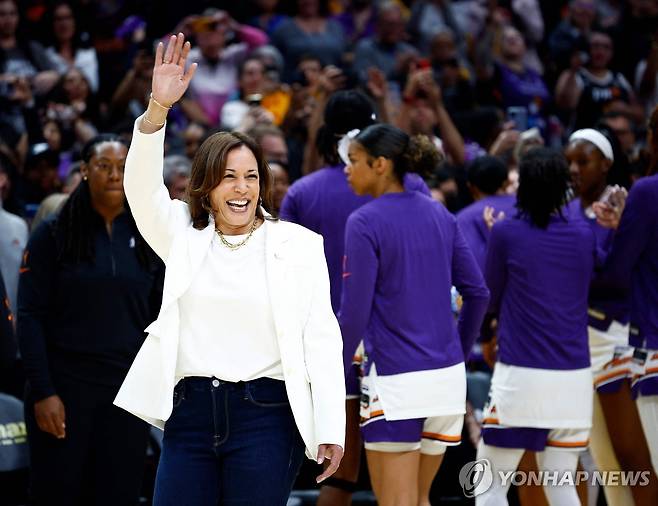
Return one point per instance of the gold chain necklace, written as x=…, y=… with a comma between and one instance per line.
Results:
x=238, y=245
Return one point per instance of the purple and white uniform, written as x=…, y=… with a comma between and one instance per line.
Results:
x=322, y=202
x=608, y=316
x=403, y=253
x=542, y=384
x=633, y=261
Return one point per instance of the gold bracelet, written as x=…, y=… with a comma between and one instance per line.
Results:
x=158, y=103
x=154, y=124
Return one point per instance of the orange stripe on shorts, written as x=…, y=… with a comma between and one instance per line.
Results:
x=444, y=437
x=621, y=373
x=567, y=444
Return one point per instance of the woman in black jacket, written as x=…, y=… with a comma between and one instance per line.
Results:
x=88, y=287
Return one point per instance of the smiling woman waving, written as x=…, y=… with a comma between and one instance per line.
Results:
x=243, y=367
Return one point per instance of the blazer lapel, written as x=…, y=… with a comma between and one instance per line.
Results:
x=186, y=261
x=275, y=270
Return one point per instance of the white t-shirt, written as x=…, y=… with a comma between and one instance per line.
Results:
x=226, y=322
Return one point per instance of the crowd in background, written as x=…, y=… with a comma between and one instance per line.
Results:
x=479, y=77
x=72, y=69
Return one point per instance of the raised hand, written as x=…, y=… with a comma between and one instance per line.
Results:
x=170, y=80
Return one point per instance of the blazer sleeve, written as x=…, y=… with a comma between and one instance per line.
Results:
x=158, y=217
x=323, y=353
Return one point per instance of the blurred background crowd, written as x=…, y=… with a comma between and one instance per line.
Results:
x=477, y=76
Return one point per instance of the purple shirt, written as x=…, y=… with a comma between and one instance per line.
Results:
x=634, y=260
x=348, y=22
x=475, y=230
x=322, y=202
x=539, y=281
x=522, y=89
x=605, y=304
x=403, y=253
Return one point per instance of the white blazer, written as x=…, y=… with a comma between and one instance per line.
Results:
x=307, y=331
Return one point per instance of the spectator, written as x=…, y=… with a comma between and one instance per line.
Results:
x=273, y=143
x=572, y=34
x=13, y=238
x=452, y=73
x=22, y=58
x=49, y=206
x=217, y=73
x=646, y=78
x=296, y=126
x=268, y=19
x=73, y=179
x=78, y=340
x=309, y=31
x=386, y=50
x=24, y=66
x=624, y=130
x=609, y=13
x=428, y=17
x=445, y=188
x=280, y=185
x=131, y=95
x=70, y=47
x=192, y=137
x=511, y=82
x=260, y=97
x=272, y=59
x=634, y=34
x=39, y=178
x=357, y=20
x=177, y=169
x=52, y=134
x=251, y=83
x=308, y=73
x=587, y=92
x=73, y=105
x=423, y=112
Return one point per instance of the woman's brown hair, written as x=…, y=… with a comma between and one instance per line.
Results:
x=208, y=169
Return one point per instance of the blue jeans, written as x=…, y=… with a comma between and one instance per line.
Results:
x=230, y=444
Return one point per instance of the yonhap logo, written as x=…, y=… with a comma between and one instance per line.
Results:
x=476, y=477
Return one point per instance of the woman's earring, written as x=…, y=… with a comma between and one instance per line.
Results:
x=84, y=178
x=260, y=201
